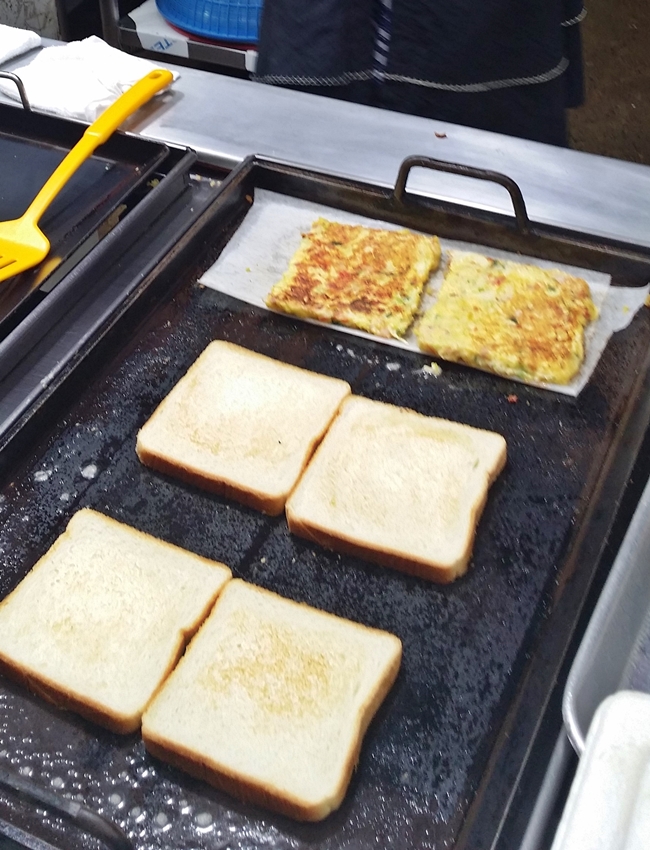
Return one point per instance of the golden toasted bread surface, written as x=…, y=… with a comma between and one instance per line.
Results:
x=357, y=276
x=514, y=319
x=272, y=700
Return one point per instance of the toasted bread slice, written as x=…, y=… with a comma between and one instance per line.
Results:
x=513, y=319
x=101, y=619
x=241, y=425
x=398, y=488
x=271, y=701
x=357, y=276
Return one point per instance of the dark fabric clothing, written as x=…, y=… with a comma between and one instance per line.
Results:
x=535, y=112
x=320, y=42
x=470, y=44
x=512, y=66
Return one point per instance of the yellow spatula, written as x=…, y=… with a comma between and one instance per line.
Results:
x=22, y=244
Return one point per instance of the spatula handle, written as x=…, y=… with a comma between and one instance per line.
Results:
x=96, y=134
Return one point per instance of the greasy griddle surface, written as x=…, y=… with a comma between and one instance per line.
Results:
x=465, y=644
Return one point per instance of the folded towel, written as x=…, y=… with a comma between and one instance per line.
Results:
x=14, y=41
x=80, y=79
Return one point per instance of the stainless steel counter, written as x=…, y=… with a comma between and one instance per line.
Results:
x=225, y=119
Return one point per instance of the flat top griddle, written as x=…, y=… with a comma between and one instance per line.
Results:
x=31, y=146
x=440, y=761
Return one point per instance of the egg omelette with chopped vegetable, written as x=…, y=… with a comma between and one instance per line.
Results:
x=357, y=276
x=513, y=319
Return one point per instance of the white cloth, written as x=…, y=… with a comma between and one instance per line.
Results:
x=78, y=80
x=14, y=41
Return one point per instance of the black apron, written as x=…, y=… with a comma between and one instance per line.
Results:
x=512, y=66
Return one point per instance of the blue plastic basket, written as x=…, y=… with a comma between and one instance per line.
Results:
x=221, y=20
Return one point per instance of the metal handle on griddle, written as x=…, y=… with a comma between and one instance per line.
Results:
x=84, y=818
x=7, y=75
x=521, y=215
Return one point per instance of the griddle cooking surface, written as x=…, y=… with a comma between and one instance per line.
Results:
x=465, y=645
x=28, y=165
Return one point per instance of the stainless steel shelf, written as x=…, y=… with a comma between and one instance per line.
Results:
x=145, y=29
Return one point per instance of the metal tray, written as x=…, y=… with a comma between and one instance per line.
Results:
x=441, y=762
x=615, y=651
x=33, y=145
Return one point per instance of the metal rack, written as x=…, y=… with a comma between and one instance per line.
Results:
x=144, y=30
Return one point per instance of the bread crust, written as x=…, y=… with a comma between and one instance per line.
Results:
x=384, y=558
x=272, y=506
x=85, y=707
x=259, y=793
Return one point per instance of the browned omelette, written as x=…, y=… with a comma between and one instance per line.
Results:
x=514, y=319
x=357, y=276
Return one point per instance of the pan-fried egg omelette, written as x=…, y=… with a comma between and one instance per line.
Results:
x=357, y=276
x=513, y=319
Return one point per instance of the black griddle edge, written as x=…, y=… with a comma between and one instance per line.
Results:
x=40, y=353
x=153, y=274
x=499, y=812
x=106, y=183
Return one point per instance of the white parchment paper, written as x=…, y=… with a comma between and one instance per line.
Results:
x=259, y=253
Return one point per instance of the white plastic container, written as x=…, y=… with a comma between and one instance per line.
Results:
x=608, y=807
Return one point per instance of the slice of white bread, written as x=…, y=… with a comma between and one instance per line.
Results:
x=102, y=618
x=271, y=701
x=241, y=425
x=398, y=488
